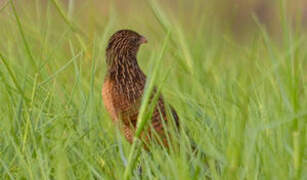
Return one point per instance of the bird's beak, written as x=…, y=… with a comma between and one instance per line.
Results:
x=143, y=40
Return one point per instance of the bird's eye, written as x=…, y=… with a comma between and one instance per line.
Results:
x=134, y=39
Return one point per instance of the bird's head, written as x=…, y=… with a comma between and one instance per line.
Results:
x=125, y=42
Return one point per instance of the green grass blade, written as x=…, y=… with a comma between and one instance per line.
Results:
x=141, y=121
x=26, y=44
x=61, y=69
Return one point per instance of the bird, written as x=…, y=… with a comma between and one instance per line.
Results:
x=124, y=86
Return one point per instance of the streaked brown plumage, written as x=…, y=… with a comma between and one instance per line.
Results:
x=124, y=85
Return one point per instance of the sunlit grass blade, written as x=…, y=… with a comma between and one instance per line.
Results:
x=61, y=69
x=72, y=26
x=25, y=42
x=141, y=121
x=160, y=15
x=274, y=60
x=10, y=71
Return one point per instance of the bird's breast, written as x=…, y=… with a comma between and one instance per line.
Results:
x=107, y=97
x=122, y=99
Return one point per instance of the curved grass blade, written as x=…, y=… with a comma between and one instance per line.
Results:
x=141, y=121
x=28, y=50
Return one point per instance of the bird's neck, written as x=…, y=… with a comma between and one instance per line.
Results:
x=124, y=66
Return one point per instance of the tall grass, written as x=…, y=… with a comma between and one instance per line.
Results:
x=243, y=102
